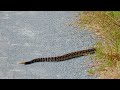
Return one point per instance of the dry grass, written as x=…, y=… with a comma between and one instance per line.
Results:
x=106, y=26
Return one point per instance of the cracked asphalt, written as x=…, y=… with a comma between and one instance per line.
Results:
x=25, y=35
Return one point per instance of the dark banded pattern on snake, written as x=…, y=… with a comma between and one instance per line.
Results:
x=62, y=57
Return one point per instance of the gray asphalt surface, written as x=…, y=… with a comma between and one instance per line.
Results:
x=28, y=35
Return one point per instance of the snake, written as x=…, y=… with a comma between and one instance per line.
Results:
x=64, y=57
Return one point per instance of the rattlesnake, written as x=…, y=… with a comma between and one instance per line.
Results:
x=62, y=57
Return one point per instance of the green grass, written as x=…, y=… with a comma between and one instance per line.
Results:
x=91, y=71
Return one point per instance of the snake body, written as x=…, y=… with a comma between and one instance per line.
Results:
x=62, y=57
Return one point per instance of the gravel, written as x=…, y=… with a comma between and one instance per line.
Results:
x=25, y=35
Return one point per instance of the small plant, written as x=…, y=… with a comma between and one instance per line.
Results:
x=91, y=71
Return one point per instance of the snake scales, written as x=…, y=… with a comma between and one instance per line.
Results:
x=62, y=57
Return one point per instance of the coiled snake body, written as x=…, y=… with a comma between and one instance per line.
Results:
x=62, y=57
